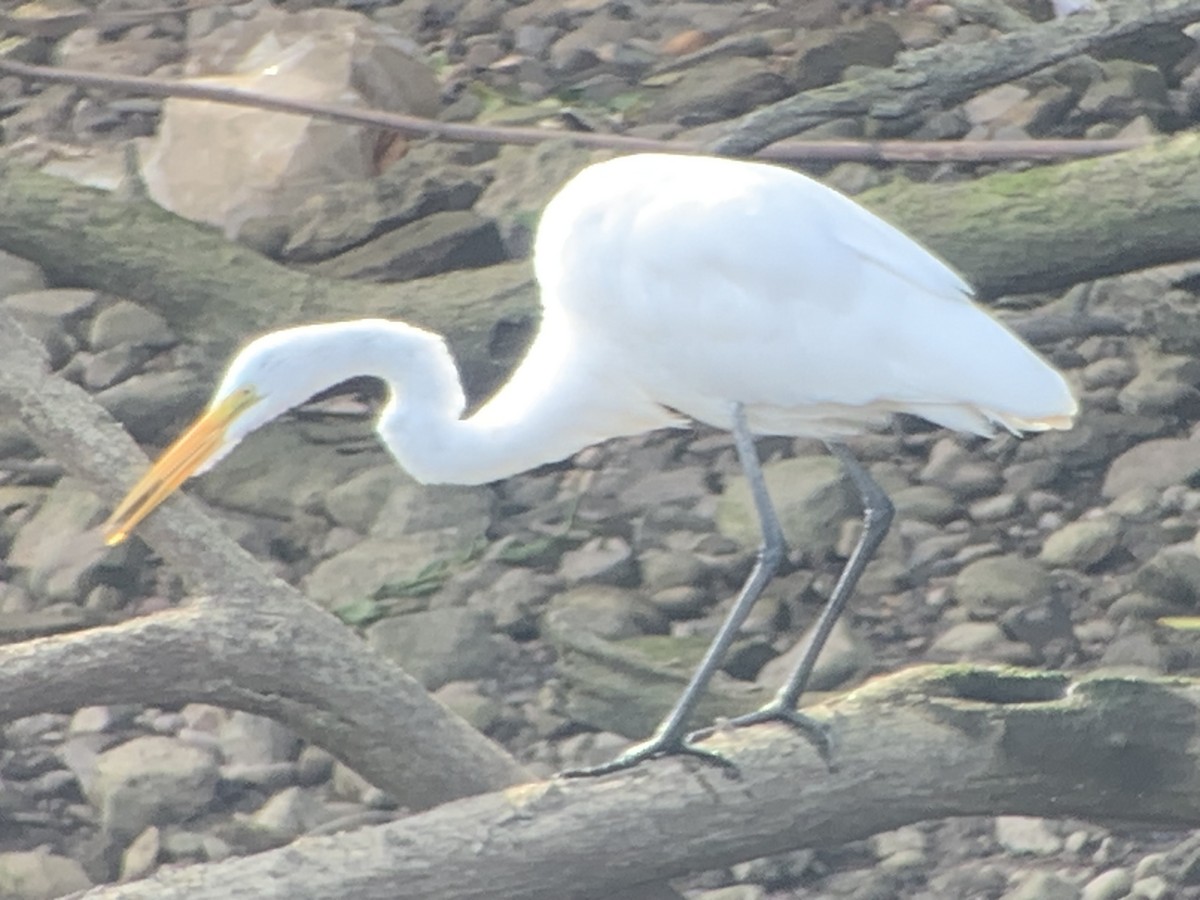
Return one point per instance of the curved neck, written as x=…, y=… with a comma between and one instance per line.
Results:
x=553, y=405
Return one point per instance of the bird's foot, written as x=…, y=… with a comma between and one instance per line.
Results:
x=817, y=733
x=655, y=748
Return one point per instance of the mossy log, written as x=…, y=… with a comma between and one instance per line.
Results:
x=925, y=743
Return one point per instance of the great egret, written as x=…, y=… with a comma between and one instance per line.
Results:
x=738, y=294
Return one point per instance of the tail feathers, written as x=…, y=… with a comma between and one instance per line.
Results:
x=983, y=422
x=1017, y=425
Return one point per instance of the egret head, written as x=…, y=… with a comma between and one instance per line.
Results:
x=271, y=375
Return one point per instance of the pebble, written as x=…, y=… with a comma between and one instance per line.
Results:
x=124, y=322
x=1154, y=464
x=141, y=856
x=1112, y=884
x=40, y=875
x=1042, y=886
x=1028, y=835
x=811, y=498
x=1081, y=545
x=602, y=560
x=439, y=645
x=149, y=780
x=249, y=740
x=605, y=612
x=1173, y=574
x=989, y=586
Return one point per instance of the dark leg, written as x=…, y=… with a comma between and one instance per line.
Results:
x=877, y=518
x=669, y=737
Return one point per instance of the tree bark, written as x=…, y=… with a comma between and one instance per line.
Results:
x=950, y=73
x=925, y=743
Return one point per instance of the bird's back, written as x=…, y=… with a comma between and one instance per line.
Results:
x=706, y=281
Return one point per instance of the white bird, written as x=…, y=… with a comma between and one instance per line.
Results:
x=673, y=288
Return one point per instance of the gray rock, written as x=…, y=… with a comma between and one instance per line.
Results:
x=1153, y=464
x=283, y=468
x=154, y=406
x=905, y=839
x=954, y=469
x=1112, y=884
x=103, y=370
x=978, y=642
x=413, y=508
x=1153, y=888
x=1134, y=653
x=717, y=90
x=1164, y=384
x=1111, y=371
x=56, y=311
x=810, y=496
x=61, y=558
x=605, y=612
x=926, y=503
x=291, y=813
x=602, y=560
x=264, y=776
x=733, y=892
x=151, y=780
x=1081, y=545
x=823, y=55
x=1127, y=90
x=89, y=719
x=378, y=567
x=39, y=875
x=19, y=276
x=345, y=215
x=995, y=103
x=991, y=585
x=844, y=656
x=464, y=698
x=994, y=509
x=141, y=856
x=356, y=502
x=441, y=242
x=663, y=569
x=128, y=323
x=1027, y=835
x=314, y=765
x=1172, y=574
x=515, y=599
x=440, y=645
x=1043, y=886
x=247, y=739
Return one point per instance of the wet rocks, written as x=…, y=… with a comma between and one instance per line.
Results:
x=151, y=780
x=440, y=645
x=989, y=586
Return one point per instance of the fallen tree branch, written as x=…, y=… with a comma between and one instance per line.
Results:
x=950, y=73
x=418, y=126
x=925, y=743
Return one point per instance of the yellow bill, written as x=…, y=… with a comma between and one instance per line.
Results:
x=198, y=443
x=1182, y=623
